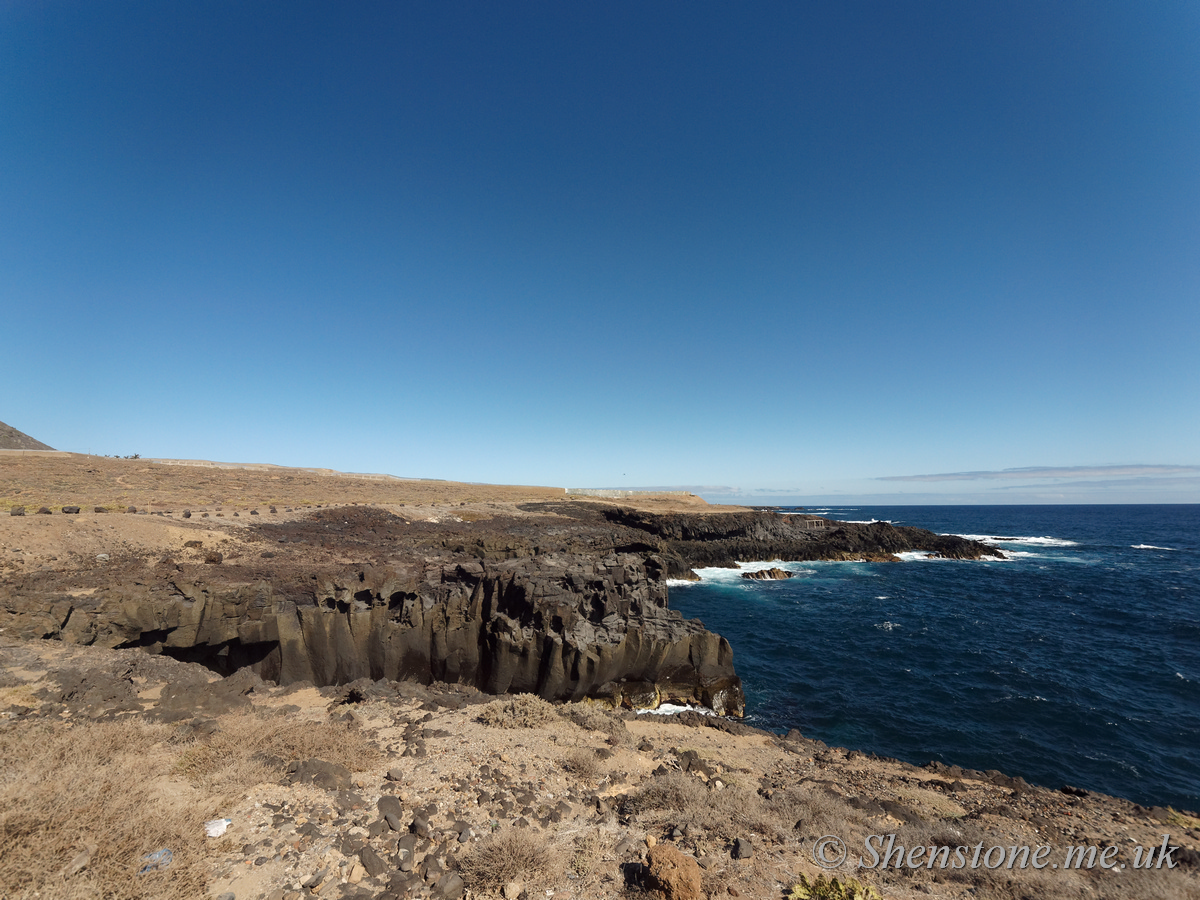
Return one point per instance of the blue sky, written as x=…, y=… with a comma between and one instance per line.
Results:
x=796, y=251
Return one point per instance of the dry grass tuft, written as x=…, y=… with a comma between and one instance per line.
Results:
x=251, y=748
x=518, y=711
x=594, y=717
x=588, y=852
x=676, y=791
x=102, y=784
x=584, y=764
x=737, y=811
x=514, y=854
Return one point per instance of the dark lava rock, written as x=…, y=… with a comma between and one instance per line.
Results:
x=70, y=510
x=43, y=511
x=772, y=574
x=17, y=511
x=327, y=775
x=742, y=848
x=450, y=886
x=372, y=862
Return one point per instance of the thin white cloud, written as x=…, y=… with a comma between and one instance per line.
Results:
x=1053, y=472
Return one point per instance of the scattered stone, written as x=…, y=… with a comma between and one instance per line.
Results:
x=43, y=511
x=450, y=886
x=79, y=863
x=70, y=510
x=101, y=509
x=742, y=848
x=372, y=862
x=131, y=509
x=327, y=775
x=187, y=513
x=17, y=511
x=101, y=557
x=213, y=558
x=673, y=873
x=420, y=827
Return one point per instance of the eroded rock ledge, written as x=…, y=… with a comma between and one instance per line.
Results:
x=565, y=600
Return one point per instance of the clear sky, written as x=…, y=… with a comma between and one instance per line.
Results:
x=901, y=252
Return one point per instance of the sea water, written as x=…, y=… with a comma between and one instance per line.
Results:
x=1076, y=660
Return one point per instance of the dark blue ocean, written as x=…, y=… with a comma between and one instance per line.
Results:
x=1076, y=661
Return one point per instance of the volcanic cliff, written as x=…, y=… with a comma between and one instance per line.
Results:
x=563, y=599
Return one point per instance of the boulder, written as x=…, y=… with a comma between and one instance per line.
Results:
x=677, y=876
x=327, y=775
x=772, y=574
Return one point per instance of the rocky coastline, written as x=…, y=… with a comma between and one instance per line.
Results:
x=567, y=600
x=310, y=662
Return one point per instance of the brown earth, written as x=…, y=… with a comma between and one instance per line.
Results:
x=72, y=479
x=565, y=803
x=108, y=755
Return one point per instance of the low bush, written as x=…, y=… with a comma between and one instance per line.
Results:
x=584, y=764
x=518, y=711
x=514, y=854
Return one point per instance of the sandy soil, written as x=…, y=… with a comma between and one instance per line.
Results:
x=223, y=500
x=445, y=766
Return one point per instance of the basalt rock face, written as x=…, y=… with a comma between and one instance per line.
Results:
x=566, y=600
x=688, y=540
x=457, y=604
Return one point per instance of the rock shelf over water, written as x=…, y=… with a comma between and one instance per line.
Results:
x=565, y=599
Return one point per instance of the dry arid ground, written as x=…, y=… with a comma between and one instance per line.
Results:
x=221, y=500
x=386, y=789
x=57, y=480
x=392, y=790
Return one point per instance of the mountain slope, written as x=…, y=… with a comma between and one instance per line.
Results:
x=11, y=439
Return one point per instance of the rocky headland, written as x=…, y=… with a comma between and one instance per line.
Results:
x=566, y=599
x=314, y=658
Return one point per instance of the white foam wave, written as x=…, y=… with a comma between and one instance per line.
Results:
x=721, y=575
x=670, y=709
x=913, y=555
x=866, y=521
x=1033, y=541
x=1150, y=547
x=1180, y=675
x=887, y=626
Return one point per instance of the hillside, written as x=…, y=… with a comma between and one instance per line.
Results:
x=11, y=439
